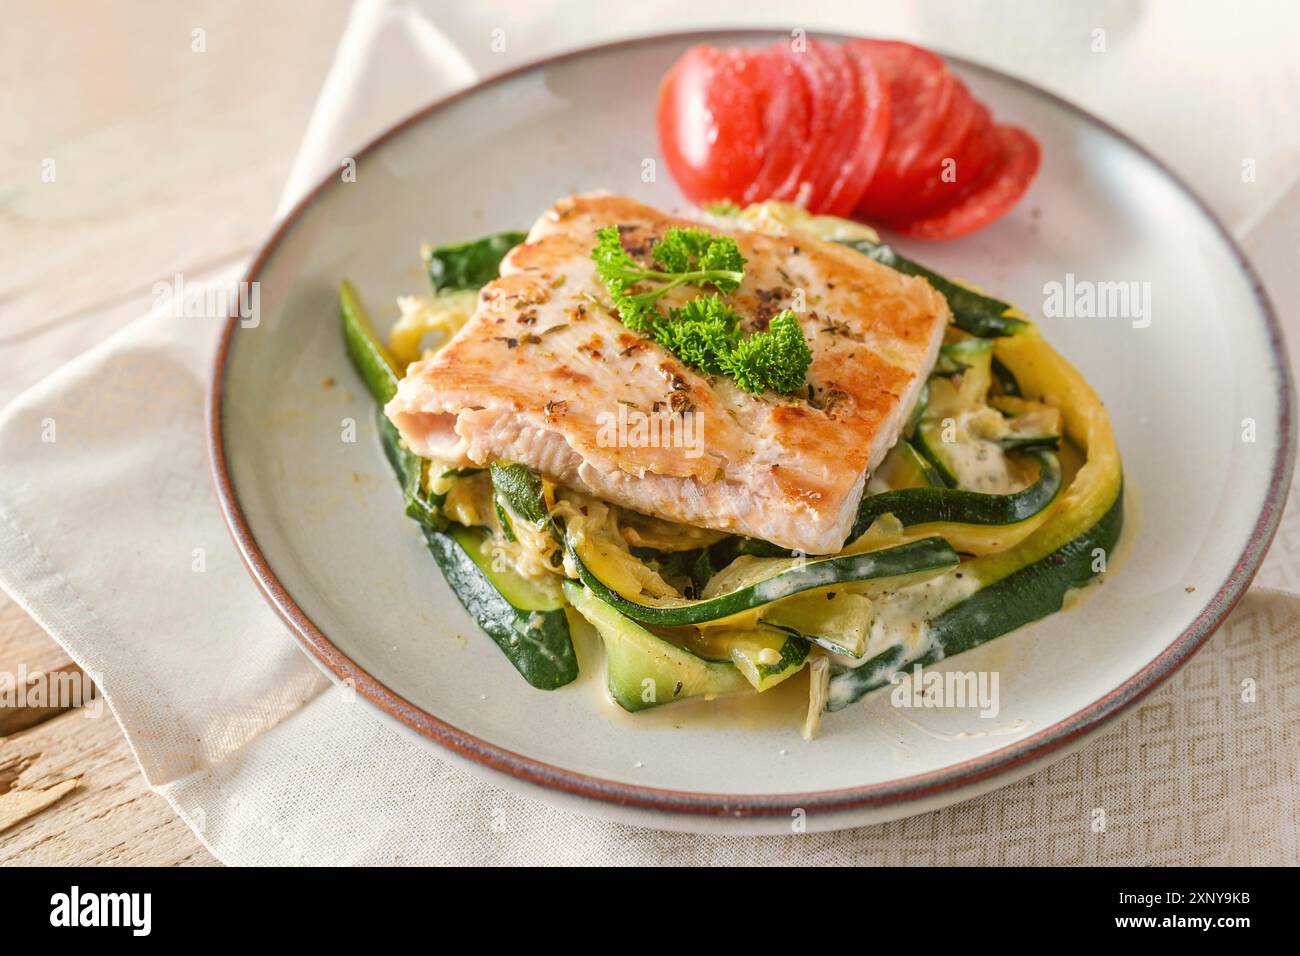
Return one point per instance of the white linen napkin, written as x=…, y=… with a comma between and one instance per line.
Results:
x=111, y=538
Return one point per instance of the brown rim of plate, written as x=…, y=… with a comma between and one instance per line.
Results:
x=919, y=786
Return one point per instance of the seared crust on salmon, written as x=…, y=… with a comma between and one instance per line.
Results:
x=544, y=373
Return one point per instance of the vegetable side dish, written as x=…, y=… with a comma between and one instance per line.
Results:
x=740, y=443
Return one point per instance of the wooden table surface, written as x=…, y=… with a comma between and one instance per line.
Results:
x=166, y=159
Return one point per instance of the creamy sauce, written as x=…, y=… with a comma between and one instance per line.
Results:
x=977, y=460
x=902, y=617
x=980, y=465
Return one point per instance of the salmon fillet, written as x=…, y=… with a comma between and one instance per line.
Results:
x=545, y=374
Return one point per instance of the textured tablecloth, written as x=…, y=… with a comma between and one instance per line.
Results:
x=103, y=528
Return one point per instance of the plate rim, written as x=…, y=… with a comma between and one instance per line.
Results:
x=906, y=789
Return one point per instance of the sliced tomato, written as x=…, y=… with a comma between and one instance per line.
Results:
x=946, y=104
x=872, y=134
x=782, y=96
x=955, y=165
x=976, y=156
x=940, y=154
x=709, y=123
x=833, y=153
x=920, y=91
x=1004, y=182
x=819, y=80
x=877, y=128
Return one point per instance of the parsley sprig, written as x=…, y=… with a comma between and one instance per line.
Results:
x=685, y=256
x=777, y=359
x=702, y=333
x=705, y=331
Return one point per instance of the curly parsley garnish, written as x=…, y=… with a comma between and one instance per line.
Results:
x=702, y=333
x=705, y=331
x=685, y=256
x=777, y=359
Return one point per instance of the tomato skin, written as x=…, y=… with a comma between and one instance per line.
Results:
x=920, y=89
x=937, y=172
x=799, y=185
x=1000, y=188
x=975, y=157
x=783, y=99
x=842, y=106
x=873, y=135
x=709, y=123
x=925, y=181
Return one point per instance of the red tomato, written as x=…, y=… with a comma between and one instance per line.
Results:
x=873, y=135
x=941, y=153
x=975, y=156
x=709, y=123
x=936, y=173
x=832, y=155
x=920, y=91
x=783, y=99
x=875, y=128
x=798, y=186
x=1005, y=181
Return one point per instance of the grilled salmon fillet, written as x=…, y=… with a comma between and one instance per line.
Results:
x=544, y=373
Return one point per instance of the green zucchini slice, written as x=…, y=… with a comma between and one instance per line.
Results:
x=925, y=557
x=378, y=371
x=1023, y=596
x=839, y=621
x=525, y=618
x=1006, y=381
x=767, y=656
x=957, y=357
x=1029, y=440
x=377, y=368
x=918, y=412
x=1029, y=424
x=411, y=471
x=764, y=654
x=905, y=467
x=644, y=670
x=519, y=489
x=913, y=506
x=928, y=439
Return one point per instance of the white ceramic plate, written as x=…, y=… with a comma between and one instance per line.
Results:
x=319, y=520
